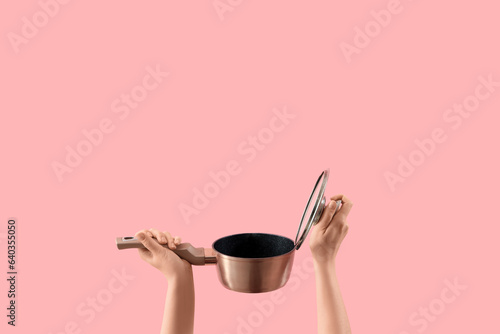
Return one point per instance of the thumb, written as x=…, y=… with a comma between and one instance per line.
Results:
x=327, y=215
x=152, y=245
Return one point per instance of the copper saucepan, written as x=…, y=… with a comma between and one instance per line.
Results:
x=251, y=262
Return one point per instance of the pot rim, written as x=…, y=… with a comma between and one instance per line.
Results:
x=252, y=259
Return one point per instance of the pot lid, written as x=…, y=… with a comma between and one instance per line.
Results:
x=314, y=208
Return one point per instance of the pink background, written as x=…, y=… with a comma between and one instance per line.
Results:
x=355, y=115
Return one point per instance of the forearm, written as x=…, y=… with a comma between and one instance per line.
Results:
x=178, y=317
x=332, y=315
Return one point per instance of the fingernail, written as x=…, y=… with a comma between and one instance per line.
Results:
x=332, y=204
x=163, y=239
x=141, y=237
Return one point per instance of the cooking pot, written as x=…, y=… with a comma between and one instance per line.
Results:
x=252, y=262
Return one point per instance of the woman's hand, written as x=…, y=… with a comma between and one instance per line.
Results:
x=325, y=241
x=328, y=234
x=178, y=316
x=160, y=257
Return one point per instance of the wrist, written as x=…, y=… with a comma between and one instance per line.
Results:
x=179, y=276
x=180, y=281
x=324, y=254
x=324, y=265
x=323, y=258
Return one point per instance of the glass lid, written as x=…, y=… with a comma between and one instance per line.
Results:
x=314, y=208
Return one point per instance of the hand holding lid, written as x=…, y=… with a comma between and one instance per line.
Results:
x=314, y=208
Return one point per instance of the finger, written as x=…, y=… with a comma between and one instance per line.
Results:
x=177, y=240
x=346, y=206
x=146, y=231
x=326, y=216
x=164, y=238
x=159, y=236
x=148, y=242
x=170, y=240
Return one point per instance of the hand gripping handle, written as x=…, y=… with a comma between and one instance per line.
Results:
x=196, y=256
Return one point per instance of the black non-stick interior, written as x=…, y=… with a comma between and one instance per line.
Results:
x=253, y=245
